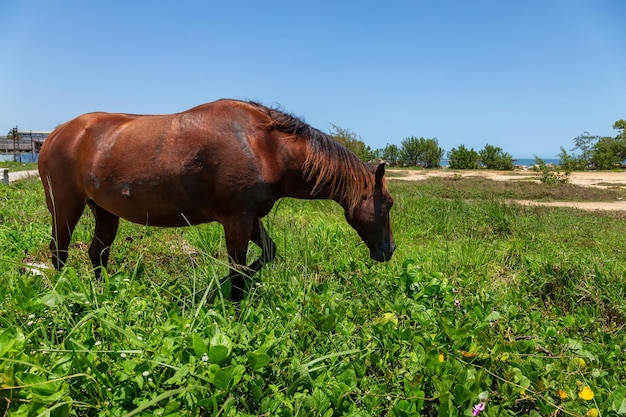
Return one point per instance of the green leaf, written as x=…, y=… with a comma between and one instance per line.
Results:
x=228, y=377
x=179, y=377
x=171, y=408
x=619, y=401
x=320, y=400
x=7, y=340
x=51, y=299
x=461, y=394
x=349, y=378
x=199, y=347
x=444, y=384
x=328, y=323
x=493, y=316
x=60, y=410
x=404, y=408
x=220, y=348
x=257, y=360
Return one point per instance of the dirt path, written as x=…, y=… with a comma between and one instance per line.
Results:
x=20, y=175
x=585, y=179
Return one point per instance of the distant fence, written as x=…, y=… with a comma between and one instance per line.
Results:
x=23, y=142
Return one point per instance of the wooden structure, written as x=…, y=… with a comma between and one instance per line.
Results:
x=29, y=141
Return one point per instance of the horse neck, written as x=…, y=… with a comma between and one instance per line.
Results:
x=340, y=180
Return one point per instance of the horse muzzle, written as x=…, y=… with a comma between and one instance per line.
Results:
x=383, y=254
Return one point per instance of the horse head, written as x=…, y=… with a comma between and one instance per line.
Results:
x=370, y=218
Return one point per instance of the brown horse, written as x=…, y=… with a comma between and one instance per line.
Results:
x=226, y=161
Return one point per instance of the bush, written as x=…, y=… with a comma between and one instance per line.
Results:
x=463, y=158
x=550, y=175
x=422, y=152
x=492, y=157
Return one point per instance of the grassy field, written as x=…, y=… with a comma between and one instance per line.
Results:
x=17, y=166
x=518, y=310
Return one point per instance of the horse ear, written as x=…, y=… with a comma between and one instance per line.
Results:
x=380, y=173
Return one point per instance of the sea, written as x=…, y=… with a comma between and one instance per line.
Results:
x=519, y=162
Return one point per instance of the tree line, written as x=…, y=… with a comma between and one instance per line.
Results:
x=589, y=152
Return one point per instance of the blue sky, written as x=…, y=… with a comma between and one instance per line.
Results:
x=527, y=76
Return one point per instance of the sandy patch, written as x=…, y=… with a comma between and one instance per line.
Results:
x=585, y=179
x=581, y=205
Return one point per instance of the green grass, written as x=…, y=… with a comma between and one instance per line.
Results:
x=520, y=307
x=17, y=166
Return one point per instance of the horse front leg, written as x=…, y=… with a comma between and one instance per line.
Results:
x=237, y=238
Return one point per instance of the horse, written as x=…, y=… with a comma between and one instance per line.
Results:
x=227, y=161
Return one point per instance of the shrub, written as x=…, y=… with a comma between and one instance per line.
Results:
x=551, y=175
x=493, y=157
x=463, y=158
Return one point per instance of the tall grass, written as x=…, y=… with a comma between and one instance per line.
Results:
x=521, y=308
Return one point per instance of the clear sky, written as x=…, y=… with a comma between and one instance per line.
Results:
x=527, y=76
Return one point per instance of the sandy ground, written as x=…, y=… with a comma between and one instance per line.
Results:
x=585, y=179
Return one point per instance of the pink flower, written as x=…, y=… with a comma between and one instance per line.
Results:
x=478, y=408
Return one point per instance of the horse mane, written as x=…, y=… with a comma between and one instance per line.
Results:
x=328, y=163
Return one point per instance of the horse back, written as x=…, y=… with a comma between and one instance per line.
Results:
x=206, y=162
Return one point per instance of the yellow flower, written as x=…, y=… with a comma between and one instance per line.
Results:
x=562, y=394
x=593, y=412
x=586, y=394
x=580, y=362
x=442, y=357
x=389, y=317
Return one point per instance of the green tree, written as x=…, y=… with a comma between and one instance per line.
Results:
x=463, y=158
x=391, y=154
x=620, y=125
x=608, y=153
x=492, y=157
x=431, y=153
x=351, y=141
x=420, y=151
x=585, y=143
x=598, y=152
x=409, y=151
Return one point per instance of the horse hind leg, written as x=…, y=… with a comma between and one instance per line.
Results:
x=104, y=235
x=267, y=245
x=65, y=210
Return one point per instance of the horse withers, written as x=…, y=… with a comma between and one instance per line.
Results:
x=226, y=161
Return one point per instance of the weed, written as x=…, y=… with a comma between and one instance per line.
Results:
x=551, y=175
x=517, y=310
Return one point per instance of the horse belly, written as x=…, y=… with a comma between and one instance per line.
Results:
x=153, y=203
x=183, y=201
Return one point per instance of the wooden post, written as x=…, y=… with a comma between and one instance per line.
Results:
x=5, y=176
